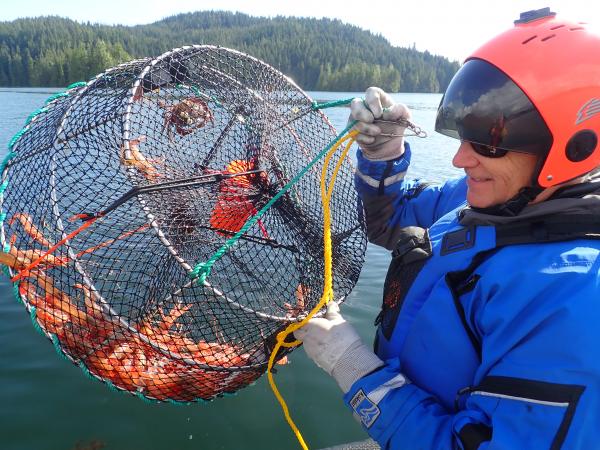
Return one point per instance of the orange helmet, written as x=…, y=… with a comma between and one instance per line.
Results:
x=534, y=89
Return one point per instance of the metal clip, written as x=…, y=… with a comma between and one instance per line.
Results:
x=416, y=130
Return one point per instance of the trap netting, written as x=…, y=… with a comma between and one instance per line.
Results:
x=118, y=192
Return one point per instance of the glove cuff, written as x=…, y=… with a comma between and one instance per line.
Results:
x=385, y=151
x=356, y=362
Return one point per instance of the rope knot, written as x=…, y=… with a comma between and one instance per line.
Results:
x=201, y=271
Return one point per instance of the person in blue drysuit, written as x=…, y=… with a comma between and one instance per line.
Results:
x=489, y=334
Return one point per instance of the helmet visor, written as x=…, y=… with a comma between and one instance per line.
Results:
x=484, y=106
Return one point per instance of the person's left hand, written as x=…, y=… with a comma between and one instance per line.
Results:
x=335, y=346
x=381, y=123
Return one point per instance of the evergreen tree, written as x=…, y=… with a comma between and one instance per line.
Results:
x=319, y=54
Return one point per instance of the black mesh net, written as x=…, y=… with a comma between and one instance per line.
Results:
x=135, y=179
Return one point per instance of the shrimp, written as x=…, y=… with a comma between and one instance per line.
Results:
x=21, y=259
x=29, y=228
x=136, y=366
x=137, y=159
x=58, y=315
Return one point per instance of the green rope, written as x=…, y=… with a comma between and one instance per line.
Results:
x=20, y=133
x=110, y=385
x=202, y=270
x=58, y=347
x=3, y=187
x=34, y=114
x=194, y=89
x=77, y=84
x=15, y=138
x=316, y=106
x=177, y=402
x=141, y=396
x=86, y=371
x=33, y=317
x=55, y=96
x=16, y=292
x=7, y=158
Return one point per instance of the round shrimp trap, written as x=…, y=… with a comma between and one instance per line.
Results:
x=145, y=230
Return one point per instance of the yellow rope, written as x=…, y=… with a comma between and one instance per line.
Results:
x=326, y=192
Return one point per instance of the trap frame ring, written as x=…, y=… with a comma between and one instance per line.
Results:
x=60, y=141
x=127, y=119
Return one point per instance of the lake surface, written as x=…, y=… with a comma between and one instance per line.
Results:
x=48, y=403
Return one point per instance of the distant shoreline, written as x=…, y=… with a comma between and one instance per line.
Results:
x=318, y=54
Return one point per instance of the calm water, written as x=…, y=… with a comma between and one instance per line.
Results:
x=48, y=403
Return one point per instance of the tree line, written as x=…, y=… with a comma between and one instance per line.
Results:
x=319, y=54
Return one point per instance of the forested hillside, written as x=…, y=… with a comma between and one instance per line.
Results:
x=319, y=54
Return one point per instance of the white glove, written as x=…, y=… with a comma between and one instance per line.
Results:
x=380, y=141
x=334, y=346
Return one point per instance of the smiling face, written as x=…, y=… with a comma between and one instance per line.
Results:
x=493, y=181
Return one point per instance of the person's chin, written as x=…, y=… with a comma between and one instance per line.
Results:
x=476, y=201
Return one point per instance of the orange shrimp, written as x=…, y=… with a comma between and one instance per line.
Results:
x=21, y=259
x=118, y=355
x=79, y=332
x=56, y=314
x=144, y=165
x=50, y=318
x=137, y=366
x=29, y=228
x=92, y=308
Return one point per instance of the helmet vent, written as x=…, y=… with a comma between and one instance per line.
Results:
x=581, y=145
x=556, y=27
x=530, y=39
x=548, y=37
x=576, y=28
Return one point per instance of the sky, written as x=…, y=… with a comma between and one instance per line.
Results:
x=451, y=28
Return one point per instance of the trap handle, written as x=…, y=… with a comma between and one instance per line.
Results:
x=166, y=185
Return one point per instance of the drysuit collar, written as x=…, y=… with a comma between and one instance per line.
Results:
x=581, y=199
x=513, y=206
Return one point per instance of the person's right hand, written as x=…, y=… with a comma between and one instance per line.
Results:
x=335, y=346
x=379, y=141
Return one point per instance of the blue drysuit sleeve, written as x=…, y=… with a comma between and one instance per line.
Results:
x=537, y=386
x=391, y=202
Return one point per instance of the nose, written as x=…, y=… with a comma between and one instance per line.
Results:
x=465, y=156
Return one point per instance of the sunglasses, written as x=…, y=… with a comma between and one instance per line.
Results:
x=488, y=151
